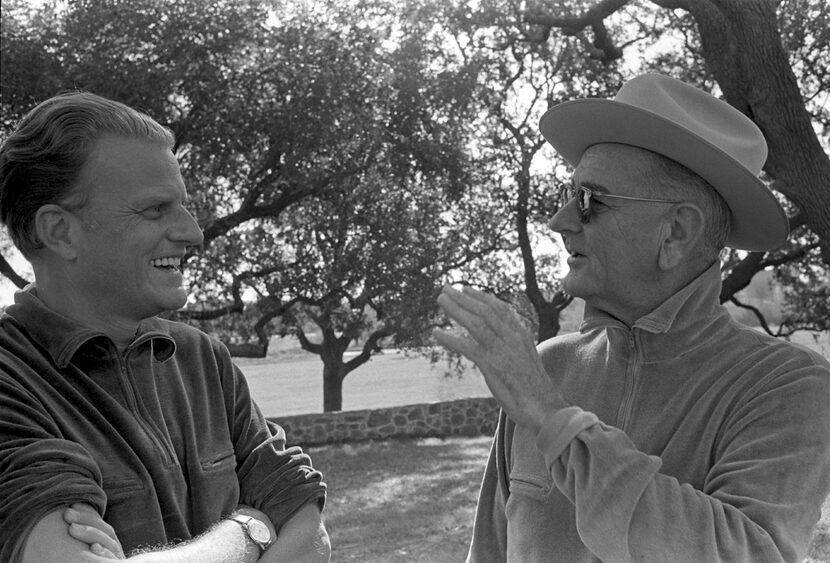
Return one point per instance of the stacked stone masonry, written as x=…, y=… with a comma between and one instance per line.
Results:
x=462, y=417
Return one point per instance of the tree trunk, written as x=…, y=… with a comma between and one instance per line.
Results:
x=742, y=47
x=549, y=313
x=331, y=351
x=332, y=383
x=335, y=369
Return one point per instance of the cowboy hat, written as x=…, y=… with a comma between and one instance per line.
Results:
x=704, y=134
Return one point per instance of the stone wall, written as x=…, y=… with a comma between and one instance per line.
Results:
x=462, y=417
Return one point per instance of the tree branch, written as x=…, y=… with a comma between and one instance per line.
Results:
x=741, y=275
x=757, y=312
x=602, y=48
x=222, y=225
x=306, y=344
x=9, y=272
x=370, y=347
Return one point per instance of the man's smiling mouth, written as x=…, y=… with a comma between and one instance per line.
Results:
x=169, y=263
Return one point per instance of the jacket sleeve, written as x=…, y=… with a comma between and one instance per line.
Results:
x=273, y=478
x=761, y=498
x=489, y=543
x=39, y=471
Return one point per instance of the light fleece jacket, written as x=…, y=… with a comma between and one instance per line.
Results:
x=691, y=439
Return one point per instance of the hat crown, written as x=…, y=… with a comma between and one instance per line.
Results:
x=700, y=113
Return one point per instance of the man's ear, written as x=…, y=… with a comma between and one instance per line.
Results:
x=55, y=227
x=682, y=230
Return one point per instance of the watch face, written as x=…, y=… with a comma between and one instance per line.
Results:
x=259, y=531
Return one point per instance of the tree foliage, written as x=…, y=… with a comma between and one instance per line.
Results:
x=346, y=158
x=325, y=147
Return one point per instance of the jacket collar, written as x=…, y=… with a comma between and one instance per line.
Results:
x=63, y=337
x=689, y=317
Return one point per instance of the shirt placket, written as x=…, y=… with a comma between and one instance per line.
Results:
x=631, y=384
x=134, y=403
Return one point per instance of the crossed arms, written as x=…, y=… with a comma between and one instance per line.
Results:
x=78, y=533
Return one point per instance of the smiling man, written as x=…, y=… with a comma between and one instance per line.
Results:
x=120, y=431
x=663, y=430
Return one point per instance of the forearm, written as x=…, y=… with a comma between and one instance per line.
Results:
x=627, y=509
x=225, y=542
x=302, y=539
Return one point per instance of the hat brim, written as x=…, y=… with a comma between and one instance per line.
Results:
x=758, y=220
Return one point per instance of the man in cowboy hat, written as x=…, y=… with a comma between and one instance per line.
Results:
x=662, y=430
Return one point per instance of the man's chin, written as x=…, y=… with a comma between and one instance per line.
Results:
x=172, y=301
x=571, y=285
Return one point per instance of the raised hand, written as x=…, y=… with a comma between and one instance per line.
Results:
x=505, y=353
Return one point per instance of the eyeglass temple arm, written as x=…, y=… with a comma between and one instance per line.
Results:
x=633, y=198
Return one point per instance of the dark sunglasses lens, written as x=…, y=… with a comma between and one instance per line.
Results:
x=583, y=200
x=584, y=205
x=566, y=194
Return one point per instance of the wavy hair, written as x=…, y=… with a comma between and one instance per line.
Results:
x=41, y=160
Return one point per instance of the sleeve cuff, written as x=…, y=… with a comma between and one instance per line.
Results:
x=559, y=428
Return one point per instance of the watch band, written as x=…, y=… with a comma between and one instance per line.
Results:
x=256, y=530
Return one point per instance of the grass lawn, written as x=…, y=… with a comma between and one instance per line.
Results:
x=414, y=500
x=402, y=500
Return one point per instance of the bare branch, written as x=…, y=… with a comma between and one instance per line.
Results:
x=9, y=272
x=760, y=316
x=595, y=13
x=306, y=344
x=370, y=347
x=741, y=275
x=786, y=258
x=602, y=48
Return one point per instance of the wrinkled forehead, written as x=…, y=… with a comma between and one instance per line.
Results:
x=127, y=168
x=613, y=165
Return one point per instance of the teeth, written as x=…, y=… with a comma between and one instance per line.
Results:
x=166, y=262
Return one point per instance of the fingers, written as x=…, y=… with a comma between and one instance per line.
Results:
x=484, y=316
x=470, y=300
x=86, y=525
x=102, y=551
x=504, y=351
x=94, y=537
x=88, y=534
x=82, y=513
x=86, y=515
x=457, y=344
x=466, y=312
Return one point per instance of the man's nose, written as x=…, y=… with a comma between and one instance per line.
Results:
x=186, y=229
x=566, y=218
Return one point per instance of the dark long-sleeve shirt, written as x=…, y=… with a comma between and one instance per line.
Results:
x=164, y=440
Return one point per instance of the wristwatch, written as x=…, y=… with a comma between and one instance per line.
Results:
x=259, y=533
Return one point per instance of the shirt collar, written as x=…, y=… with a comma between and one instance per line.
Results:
x=686, y=315
x=62, y=337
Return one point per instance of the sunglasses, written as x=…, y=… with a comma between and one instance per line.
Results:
x=584, y=196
